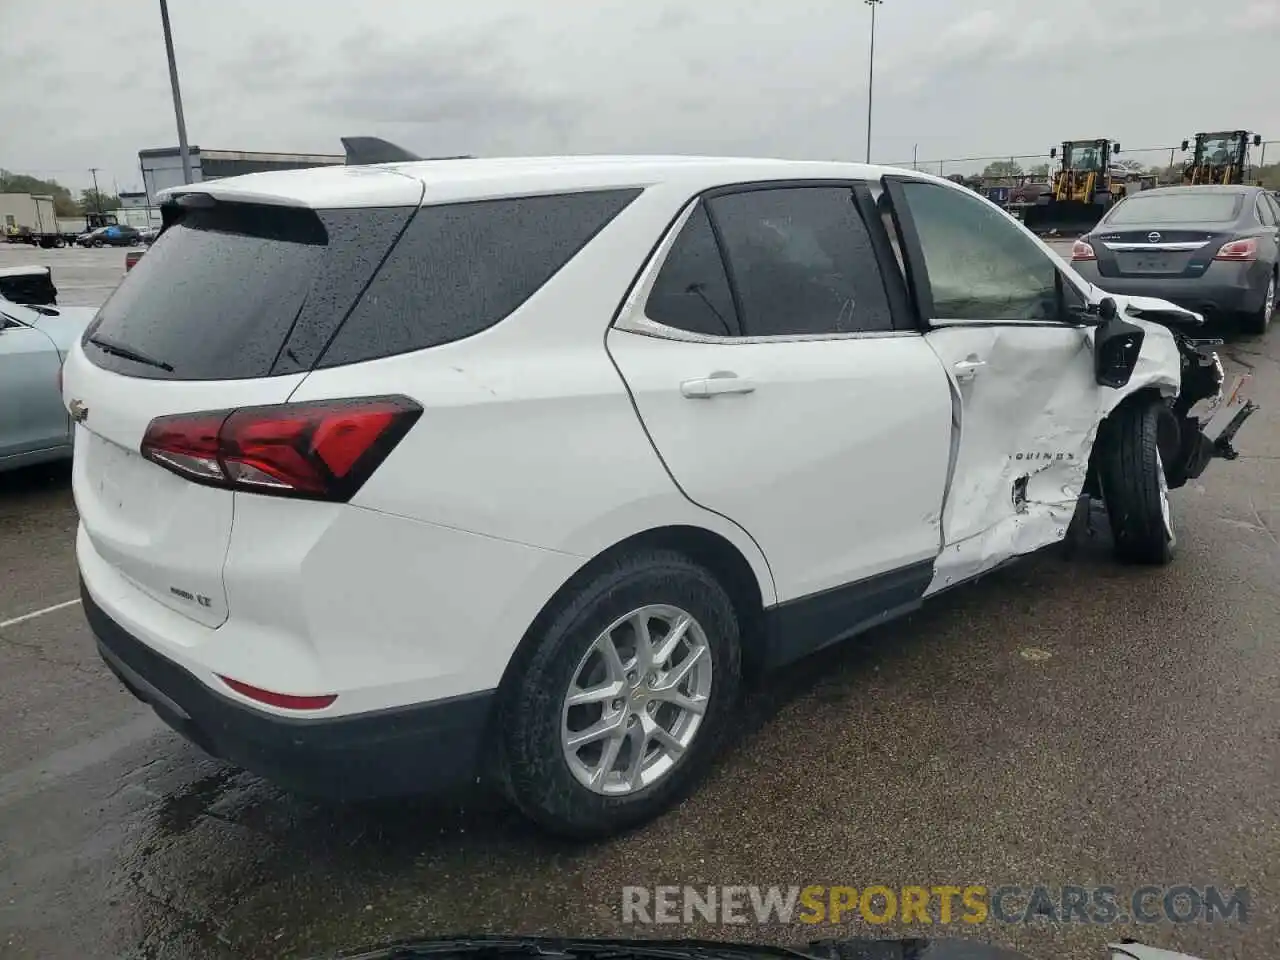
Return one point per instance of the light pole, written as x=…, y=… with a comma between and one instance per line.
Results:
x=871, y=69
x=177, y=94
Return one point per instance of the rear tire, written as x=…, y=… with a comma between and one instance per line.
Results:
x=1134, y=486
x=1257, y=323
x=549, y=779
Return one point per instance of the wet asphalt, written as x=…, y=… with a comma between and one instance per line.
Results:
x=1064, y=721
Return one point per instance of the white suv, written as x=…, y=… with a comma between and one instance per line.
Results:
x=394, y=477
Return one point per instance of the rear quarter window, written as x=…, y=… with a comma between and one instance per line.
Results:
x=461, y=268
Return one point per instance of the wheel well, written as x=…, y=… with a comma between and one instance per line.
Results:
x=703, y=547
x=1168, y=439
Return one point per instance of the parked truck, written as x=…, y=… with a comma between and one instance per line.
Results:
x=30, y=218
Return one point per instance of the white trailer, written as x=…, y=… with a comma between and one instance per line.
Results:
x=29, y=218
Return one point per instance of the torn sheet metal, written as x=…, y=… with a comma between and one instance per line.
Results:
x=1229, y=416
x=1028, y=420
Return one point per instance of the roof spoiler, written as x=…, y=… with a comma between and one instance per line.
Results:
x=363, y=150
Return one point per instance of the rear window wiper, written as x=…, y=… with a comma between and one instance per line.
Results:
x=110, y=346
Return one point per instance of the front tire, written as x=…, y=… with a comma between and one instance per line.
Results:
x=1257, y=323
x=624, y=700
x=1135, y=488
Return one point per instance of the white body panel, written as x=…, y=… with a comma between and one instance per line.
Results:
x=1031, y=408
x=166, y=535
x=835, y=463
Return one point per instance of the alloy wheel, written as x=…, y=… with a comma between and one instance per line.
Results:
x=636, y=700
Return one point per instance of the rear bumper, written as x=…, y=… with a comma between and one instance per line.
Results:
x=426, y=748
x=1224, y=288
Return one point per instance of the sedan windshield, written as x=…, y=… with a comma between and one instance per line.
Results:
x=1178, y=208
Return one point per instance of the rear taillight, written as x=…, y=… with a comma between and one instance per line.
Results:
x=322, y=450
x=131, y=258
x=1080, y=250
x=1238, y=250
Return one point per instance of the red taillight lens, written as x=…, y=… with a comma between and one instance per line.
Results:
x=1082, y=251
x=1239, y=250
x=323, y=450
x=130, y=259
x=60, y=379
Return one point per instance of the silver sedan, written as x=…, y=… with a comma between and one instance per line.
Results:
x=34, y=425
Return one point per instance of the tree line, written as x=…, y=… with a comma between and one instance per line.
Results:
x=65, y=204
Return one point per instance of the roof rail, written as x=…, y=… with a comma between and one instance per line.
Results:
x=363, y=150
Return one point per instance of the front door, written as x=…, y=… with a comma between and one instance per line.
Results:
x=992, y=298
x=770, y=372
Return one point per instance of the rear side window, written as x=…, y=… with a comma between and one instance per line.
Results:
x=461, y=268
x=802, y=262
x=691, y=291
x=222, y=290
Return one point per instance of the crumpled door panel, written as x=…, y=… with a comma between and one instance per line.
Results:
x=1028, y=419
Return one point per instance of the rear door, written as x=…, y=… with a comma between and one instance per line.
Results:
x=226, y=310
x=31, y=412
x=763, y=354
x=1027, y=405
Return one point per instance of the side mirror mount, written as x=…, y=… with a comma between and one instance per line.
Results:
x=1257, y=139
x=1185, y=145
x=1116, y=347
x=1115, y=148
x=1053, y=153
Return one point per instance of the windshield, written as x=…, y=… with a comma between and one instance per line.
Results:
x=1178, y=208
x=1219, y=149
x=1084, y=156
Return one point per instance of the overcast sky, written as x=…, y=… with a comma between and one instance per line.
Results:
x=85, y=81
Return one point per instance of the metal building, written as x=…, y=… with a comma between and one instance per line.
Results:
x=162, y=168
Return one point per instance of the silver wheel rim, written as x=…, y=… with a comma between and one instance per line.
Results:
x=1166, y=514
x=636, y=700
x=1270, y=307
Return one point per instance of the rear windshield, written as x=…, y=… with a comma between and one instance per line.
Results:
x=218, y=294
x=1186, y=207
x=243, y=291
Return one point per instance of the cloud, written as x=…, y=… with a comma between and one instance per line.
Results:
x=503, y=76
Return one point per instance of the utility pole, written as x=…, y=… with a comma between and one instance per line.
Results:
x=177, y=94
x=97, y=194
x=915, y=157
x=871, y=69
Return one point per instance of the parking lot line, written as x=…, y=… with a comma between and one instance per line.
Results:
x=38, y=613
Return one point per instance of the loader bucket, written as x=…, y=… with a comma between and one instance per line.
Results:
x=1067, y=217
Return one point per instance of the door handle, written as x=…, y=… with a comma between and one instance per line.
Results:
x=720, y=383
x=968, y=369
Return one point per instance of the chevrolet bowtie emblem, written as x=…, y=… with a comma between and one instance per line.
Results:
x=79, y=412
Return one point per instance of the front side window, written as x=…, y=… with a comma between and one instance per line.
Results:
x=801, y=261
x=979, y=266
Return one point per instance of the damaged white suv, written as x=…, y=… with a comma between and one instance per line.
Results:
x=391, y=477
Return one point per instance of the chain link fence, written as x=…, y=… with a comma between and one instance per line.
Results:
x=1166, y=162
